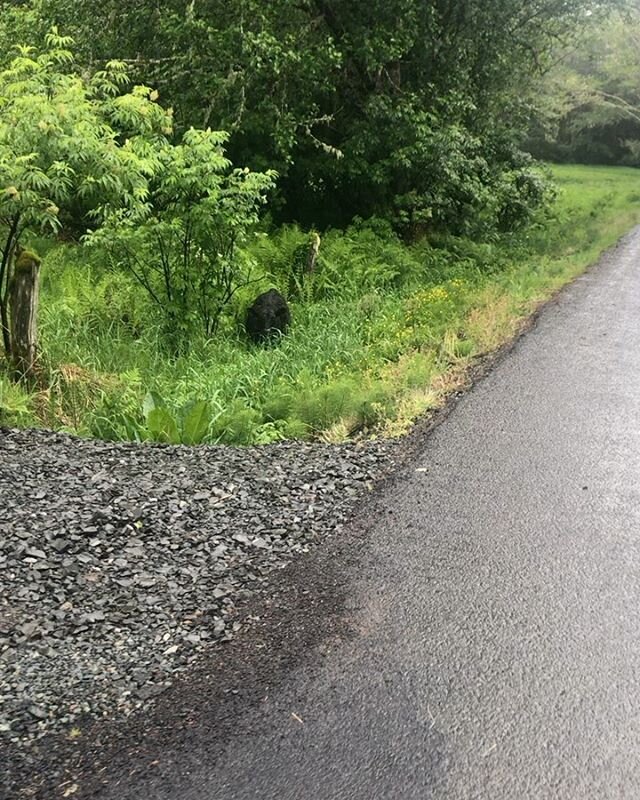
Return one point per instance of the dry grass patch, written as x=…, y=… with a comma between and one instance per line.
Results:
x=418, y=402
x=72, y=392
x=492, y=322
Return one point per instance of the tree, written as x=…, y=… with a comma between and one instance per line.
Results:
x=182, y=247
x=412, y=109
x=61, y=140
x=90, y=150
x=588, y=106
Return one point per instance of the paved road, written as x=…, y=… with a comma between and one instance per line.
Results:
x=498, y=608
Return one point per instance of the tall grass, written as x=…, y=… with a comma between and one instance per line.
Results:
x=381, y=334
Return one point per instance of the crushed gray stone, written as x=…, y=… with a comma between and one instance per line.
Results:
x=121, y=563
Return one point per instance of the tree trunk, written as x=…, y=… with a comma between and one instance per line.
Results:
x=7, y=252
x=23, y=307
x=6, y=332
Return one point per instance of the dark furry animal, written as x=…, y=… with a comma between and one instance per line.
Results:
x=267, y=317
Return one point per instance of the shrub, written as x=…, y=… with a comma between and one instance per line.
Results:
x=182, y=248
x=65, y=139
x=520, y=195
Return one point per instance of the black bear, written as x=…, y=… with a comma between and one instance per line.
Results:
x=268, y=316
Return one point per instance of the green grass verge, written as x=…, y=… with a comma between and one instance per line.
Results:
x=385, y=332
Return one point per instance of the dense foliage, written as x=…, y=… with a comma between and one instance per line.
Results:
x=92, y=154
x=588, y=103
x=385, y=330
x=59, y=147
x=181, y=246
x=384, y=191
x=410, y=109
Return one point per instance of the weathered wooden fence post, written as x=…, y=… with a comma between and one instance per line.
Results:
x=314, y=250
x=23, y=311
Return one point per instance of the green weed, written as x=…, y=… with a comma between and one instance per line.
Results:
x=381, y=330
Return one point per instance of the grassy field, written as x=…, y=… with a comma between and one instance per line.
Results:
x=382, y=335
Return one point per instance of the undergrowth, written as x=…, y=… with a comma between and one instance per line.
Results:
x=382, y=331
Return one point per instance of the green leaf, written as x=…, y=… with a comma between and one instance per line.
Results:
x=151, y=402
x=196, y=421
x=163, y=426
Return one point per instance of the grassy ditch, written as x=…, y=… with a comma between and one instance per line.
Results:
x=381, y=335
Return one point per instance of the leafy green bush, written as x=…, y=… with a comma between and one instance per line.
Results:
x=519, y=196
x=281, y=257
x=155, y=421
x=65, y=139
x=189, y=425
x=117, y=418
x=238, y=424
x=83, y=300
x=182, y=246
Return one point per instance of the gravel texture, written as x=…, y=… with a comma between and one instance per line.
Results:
x=119, y=563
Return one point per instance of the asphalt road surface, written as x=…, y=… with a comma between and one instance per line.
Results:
x=497, y=607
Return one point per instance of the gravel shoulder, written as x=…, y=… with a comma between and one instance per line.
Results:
x=120, y=564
